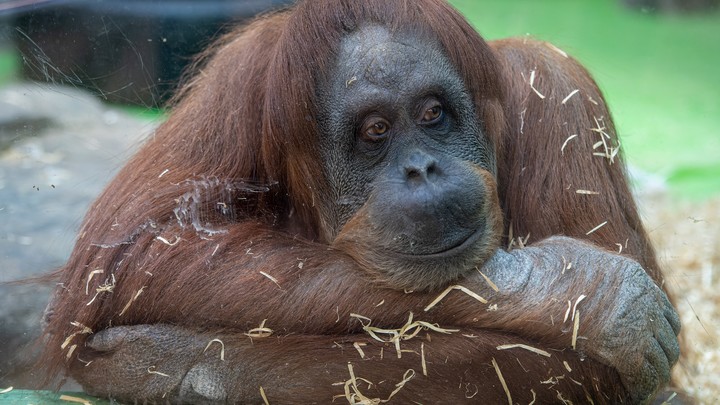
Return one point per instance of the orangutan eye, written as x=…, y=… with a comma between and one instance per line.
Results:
x=432, y=115
x=376, y=129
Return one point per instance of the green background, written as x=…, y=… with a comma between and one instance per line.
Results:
x=660, y=74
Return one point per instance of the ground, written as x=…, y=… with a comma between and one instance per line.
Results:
x=687, y=236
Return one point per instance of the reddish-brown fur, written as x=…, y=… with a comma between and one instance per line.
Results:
x=538, y=185
x=229, y=187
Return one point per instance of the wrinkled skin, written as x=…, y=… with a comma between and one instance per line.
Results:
x=412, y=202
x=419, y=197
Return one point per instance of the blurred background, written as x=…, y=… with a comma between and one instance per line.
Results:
x=82, y=82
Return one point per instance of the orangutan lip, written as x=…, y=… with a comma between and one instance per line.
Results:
x=456, y=249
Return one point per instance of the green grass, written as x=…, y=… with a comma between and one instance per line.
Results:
x=660, y=74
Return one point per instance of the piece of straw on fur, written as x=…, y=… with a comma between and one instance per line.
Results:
x=358, y=347
x=596, y=228
x=454, y=287
x=167, y=242
x=134, y=297
x=488, y=281
x=570, y=138
x=526, y=347
x=260, y=332
x=264, y=397
x=422, y=358
x=502, y=381
x=572, y=93
x=355, y=397
x=70, y=352
x=567, y=313
x=352, y=391
x=89, y=278
x=107, y=287
x=271, y=278
x=558, y=50
x=84, y=330
x=576, y=326
x=409, y=375
x=408, y=331
x=222, y=348
x=151, y=370
x=577, y=301
x=532, y=85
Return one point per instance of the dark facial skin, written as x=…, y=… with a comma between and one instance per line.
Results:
x=404, y=155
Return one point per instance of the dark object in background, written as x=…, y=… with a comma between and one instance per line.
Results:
x=673, y=6
x=126, y=51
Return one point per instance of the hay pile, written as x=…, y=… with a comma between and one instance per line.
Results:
x=687, y=236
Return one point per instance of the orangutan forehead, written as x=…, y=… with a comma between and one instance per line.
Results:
x=374, y=54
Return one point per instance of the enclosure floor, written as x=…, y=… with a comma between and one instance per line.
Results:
x=687, y=236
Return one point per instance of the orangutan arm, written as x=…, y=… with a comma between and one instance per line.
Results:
x=623, y=321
